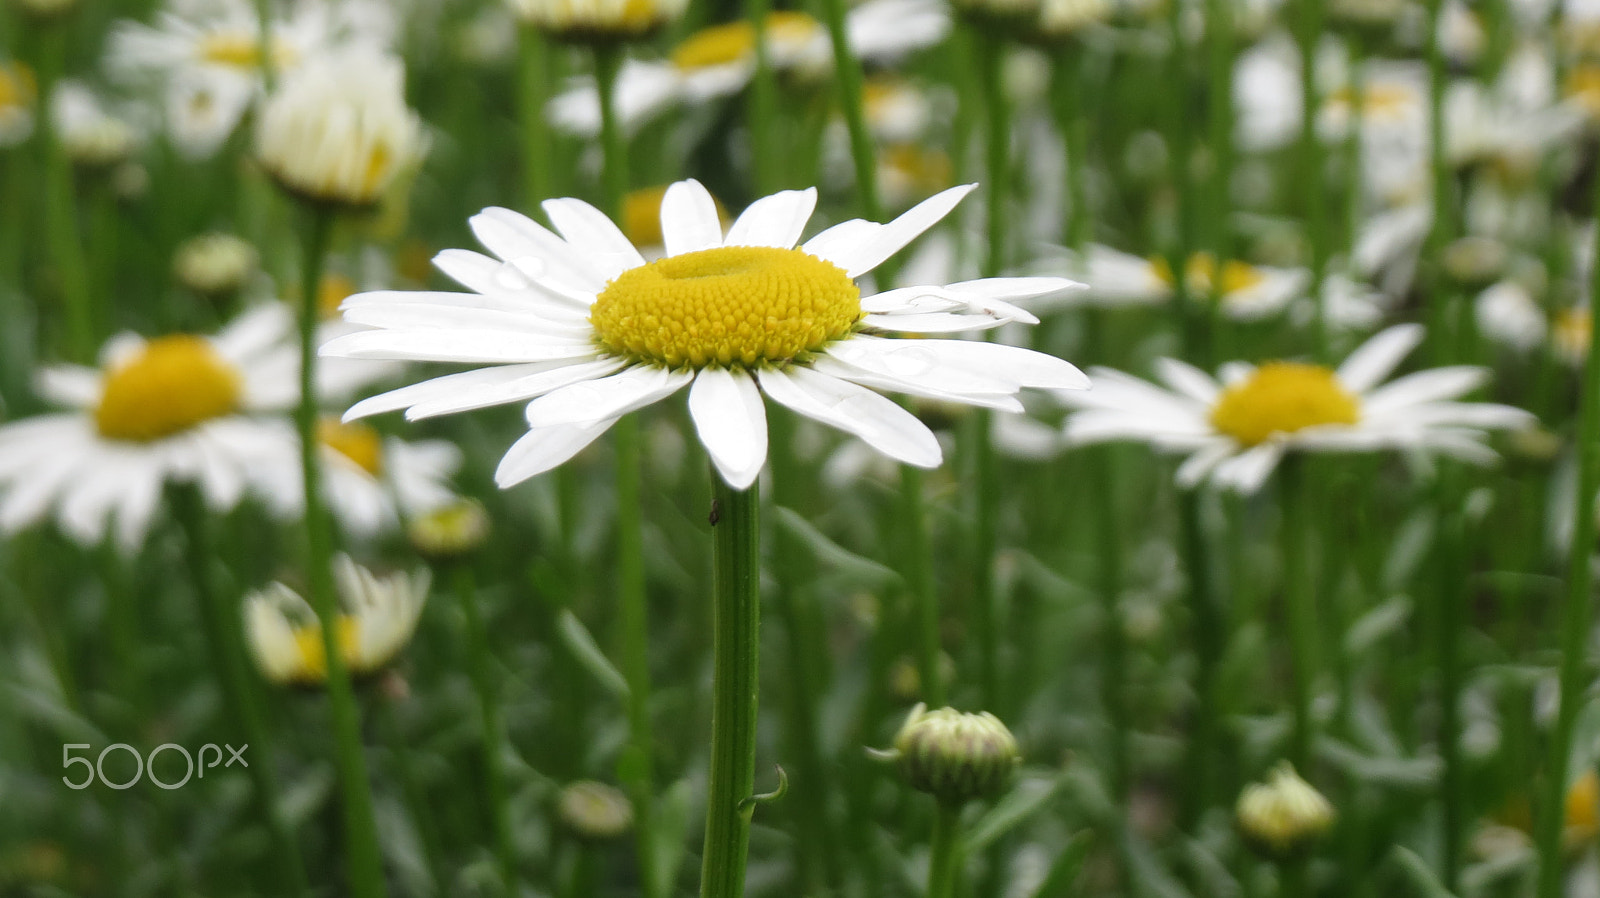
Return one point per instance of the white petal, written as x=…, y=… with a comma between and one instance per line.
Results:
x=1197, y=466
x=776, y=220
x=513, y=236
x=879, y=422
x=1373, y=360
x=689, y=220
x=523, y=388
x=1025, y=367
x=457, y=346
x=74, y=386
x=1246, y=473
x=544, y=448
x=609, y=397
x=893, y=236
x=447, y=385
x=932, y=322
x=732, y=422
x=422, y=315
x=587, y=227
x=1431, y=385
x=1016, y=287
x=1188, y=380
x=838, y=241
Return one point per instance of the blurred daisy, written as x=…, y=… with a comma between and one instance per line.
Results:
x=1508, y=314
x=588, y=330
x=175, y=408
x=1247, y=292
x=720, y=60
x=91, y=135
x=1234, y=432
x=590, y=21
x=18, y=95
x=378, y=618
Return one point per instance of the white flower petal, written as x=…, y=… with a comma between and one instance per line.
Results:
x=1372, y=361
x=1247, y=472
x=879, y=422
x=609, y=397
x=732, y=422
x=1188, y=380
x=1431, y=385
x=893, y=236
x=74, y=386
x=448, y=385
x=457, y=346
x=1001, y=400
x=536, y=384
x=585, y=226
x=1201, y=463
x=544, y=448
x=932, y=322
x=994, y=361
x=776, y=220
x=689, y=220
x=513, y=236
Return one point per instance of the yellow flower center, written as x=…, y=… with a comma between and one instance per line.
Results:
x=1583, y=85
x=1283, y=397
x=313, y=666
x=355, y=441
x=17, y=88
x=1200, y=274
x=1570, y=332
x=173, y=384
x=735, y=305
x=334, y=289
x=1378, y=101
x=736, y=41
x=242, y=50
x=641, y=216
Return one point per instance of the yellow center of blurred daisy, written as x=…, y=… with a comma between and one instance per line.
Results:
x=334, y=289
x=16, y=86
x=1283, y=397
x=357, y=442
x=313, y=666
x=241, y=50
x=734, y=305
x=735, y=41
x=1200, y=274
x=1570, y=332
x=173, y=384
x=641, y=216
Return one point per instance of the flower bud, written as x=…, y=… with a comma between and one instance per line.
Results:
x=595, y=811
x=449, y=532
x=214, y=265
x=1283, y=816
x=955, y=756
x=599, y=21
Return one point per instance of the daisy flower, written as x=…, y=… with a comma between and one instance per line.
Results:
x=18, y=95
x=585, y=328
x=176, y=408
x=720, y=60
x=1247, y=292
x=379, y=617
x=1234, y=432
x=598, y=21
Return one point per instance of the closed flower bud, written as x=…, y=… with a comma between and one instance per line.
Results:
x=595, y=811
x=956, y=756
x=599, y=21
x=450, y=531
x=214, y=265
x=1283, y=816
x=338, y=132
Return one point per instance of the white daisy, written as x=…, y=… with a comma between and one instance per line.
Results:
x=378, y=619
x=175, y=408
x=1234, y=432
x=18, y=95
x=588, y=330
x=1247, y=292
x=720, y=60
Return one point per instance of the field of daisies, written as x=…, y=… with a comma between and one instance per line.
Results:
x=799, y=448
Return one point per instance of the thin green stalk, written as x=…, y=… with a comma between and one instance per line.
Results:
x=1352, y=144
x=920, y=580
x=1438, y=303
x=1450, y=617
x=631, y=597
x=221, y=621
x=1309, y=34
x=365, y=862
x=1108, y=569
x=735, y=650
x=416, y=798
x=944, y=857
x=1068, y=71
x=1219, y=106
x=1577, y=610
x=1209, y=632
x=493, y=726
x=66, y=245
x=1299, y=593
x=847, y=72
x=763, y=108
x=1193, y=340
x=532, y=78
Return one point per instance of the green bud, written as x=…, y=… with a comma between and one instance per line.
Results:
x=449, y=532
x=955, y=756
x=1283, y=816
x=595, y=811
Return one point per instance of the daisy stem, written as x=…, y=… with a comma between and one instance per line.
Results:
x=61, y=207
x=361, y=837
x=763, y=109
x=1209, y=635
x=1308, y=35
x=1299, y=593
x=634, y=614
x=924, y=592
x=1437, y=299
x=735, y=651
x=1068, y=70
x=1450, y=617
x=221, y=621
x=944, y=856
x=847, y=71
x=1577, y=611
x=493, y=725
x=532, y=75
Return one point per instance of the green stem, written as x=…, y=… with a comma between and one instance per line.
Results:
x=532, y=79
x=361, y=835
x=920, y=580
x=1309, y=36
x=1209, y=633
x=1068, y=70
x=493, y=732
x=613, y=144
x=1438, y=303
x=1450, y=616
x=944, y=857
x=66, y=245
x=763, y=109
x=416, y=797
x=847, y=71
x=1577, y=609
x=1299, y=592
x=221, y=621
x=735, y=651
x=1193, y=340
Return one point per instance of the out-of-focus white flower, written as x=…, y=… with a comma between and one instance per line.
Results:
x=720, y=60
x=215, y=264
x=1508, y=314
x=90, y=135
x=338, y=130
x=1266, y=95
x=591, y=21
x=18, y=96
x=378, y=618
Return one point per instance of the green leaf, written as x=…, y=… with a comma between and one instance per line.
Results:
x=1420, y=874
x=1027, y=798
x=671, y=829
x=1068, y=864
x=576, y=637
x=1372, y=627
x=834, y=556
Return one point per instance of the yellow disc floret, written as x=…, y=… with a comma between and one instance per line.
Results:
x=241, y=50
x=17, y=88
x=1283, y=397
x=173, y=384
x=313, y=658
x=356, y=442
x=736, y=41
x=1200, y=274
x=735, y=305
